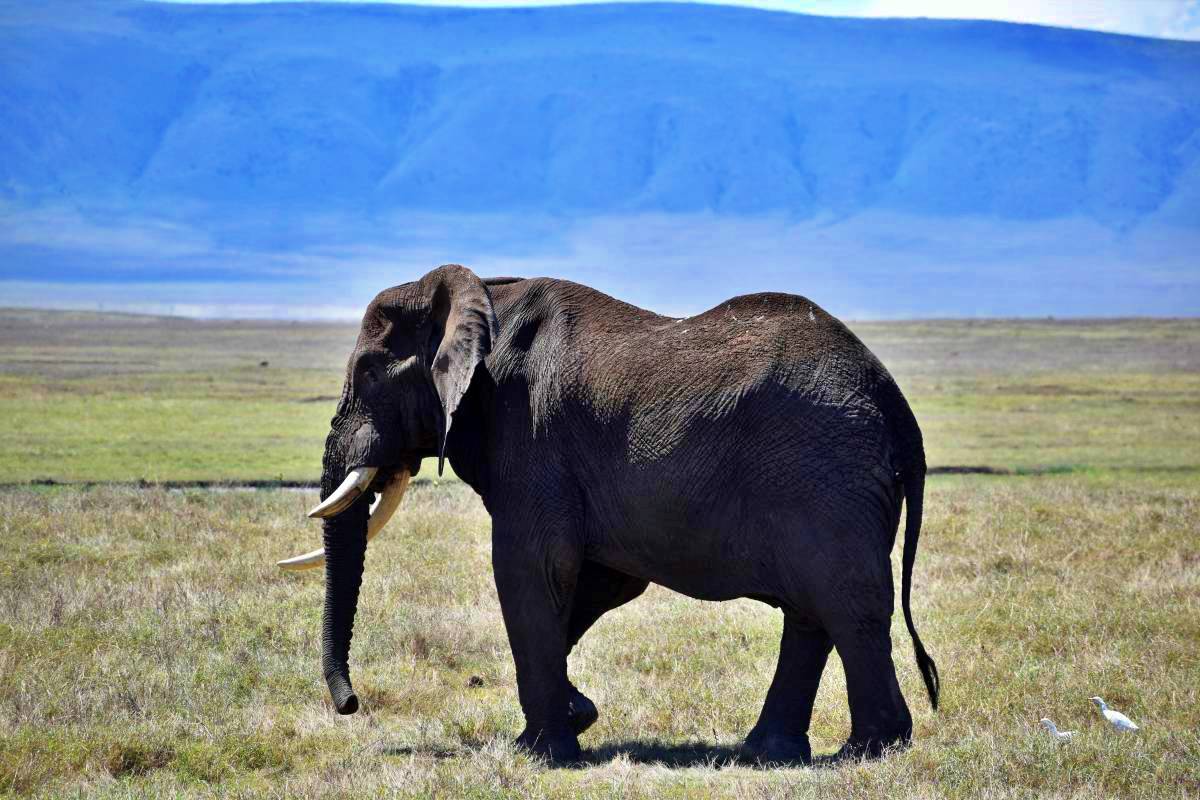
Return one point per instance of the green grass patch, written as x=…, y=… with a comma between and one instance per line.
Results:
x=93, y=397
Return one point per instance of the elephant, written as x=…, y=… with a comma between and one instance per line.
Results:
x=757, y=450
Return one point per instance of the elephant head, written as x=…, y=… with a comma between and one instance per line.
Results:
x=416, y=352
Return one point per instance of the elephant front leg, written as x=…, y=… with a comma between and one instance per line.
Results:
x=536, y=586
x=781, y=734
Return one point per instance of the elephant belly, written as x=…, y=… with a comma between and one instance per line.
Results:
x=699, y=561
x=740, y=506
x=735, y=540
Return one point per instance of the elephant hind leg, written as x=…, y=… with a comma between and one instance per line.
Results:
x=781, y=734
x=861, y=632
x=598, y=590
x=879, y=717
x=852, y=595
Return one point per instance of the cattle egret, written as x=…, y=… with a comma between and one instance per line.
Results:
x=1062, y=736
x=1118, y=720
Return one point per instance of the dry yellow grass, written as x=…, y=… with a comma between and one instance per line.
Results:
x=150, y=647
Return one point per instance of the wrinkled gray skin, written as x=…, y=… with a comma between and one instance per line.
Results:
x=756, y=450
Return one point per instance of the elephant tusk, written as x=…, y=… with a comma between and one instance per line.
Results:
x=344, y=496
x=389, y=501
x=307, y=561
x=381, y=512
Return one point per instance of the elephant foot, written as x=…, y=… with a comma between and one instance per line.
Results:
x=581, y=712
x=764, y=748
x=873, y=747
x=560, y=749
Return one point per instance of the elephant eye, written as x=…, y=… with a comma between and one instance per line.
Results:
x=375, y=371
x=397, y=368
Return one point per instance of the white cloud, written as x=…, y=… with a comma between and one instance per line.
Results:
x=1177, y=19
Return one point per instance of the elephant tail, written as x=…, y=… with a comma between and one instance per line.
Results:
x=914, y=490
x=910, y=465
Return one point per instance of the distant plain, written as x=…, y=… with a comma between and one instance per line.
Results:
x=149, y=646
x=110, y=397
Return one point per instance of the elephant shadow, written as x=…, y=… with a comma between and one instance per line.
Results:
x=680, y=756
x=643, y=751
x=638, y=751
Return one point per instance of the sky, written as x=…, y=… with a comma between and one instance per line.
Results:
x=1171, y=19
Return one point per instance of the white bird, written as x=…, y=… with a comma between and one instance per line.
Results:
x=1062, y=736
x=1118, y=720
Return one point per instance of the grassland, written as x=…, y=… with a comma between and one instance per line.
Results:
x=92, y=397
x=149, y=647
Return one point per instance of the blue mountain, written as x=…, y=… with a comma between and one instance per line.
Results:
x=677, y=152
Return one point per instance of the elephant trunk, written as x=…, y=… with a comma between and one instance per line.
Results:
x=345, y=551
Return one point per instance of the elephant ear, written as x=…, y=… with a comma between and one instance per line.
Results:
x=464, y=328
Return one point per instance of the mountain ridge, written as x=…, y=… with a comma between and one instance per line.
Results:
x=189, y=143
x=606, y=108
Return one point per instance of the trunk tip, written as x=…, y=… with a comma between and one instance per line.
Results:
x=348, y=706
x=342, y=694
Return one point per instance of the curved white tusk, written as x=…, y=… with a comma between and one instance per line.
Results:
x=307, y=561
x=389, y=501
x=344, y=496
x=383, y=510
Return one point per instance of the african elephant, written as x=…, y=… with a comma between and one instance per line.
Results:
x=755, y=450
